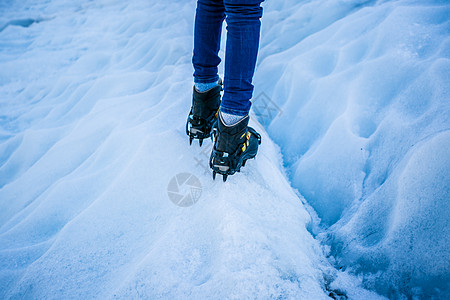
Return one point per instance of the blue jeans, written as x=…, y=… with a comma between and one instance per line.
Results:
x=243, y=30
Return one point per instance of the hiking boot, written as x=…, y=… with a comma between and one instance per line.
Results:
x=233, y=146
x=203, y=114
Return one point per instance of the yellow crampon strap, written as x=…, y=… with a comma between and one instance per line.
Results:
x=246, y=143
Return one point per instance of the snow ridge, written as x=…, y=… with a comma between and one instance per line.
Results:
x=365, y=94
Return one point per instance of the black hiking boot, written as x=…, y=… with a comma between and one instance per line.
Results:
x=233, y=145
x=203, y=114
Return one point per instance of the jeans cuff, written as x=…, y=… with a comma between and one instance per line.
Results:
x=210, y=80
x=231, y=111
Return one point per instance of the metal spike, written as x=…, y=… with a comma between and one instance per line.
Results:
x=200, y=141
x=214, y=175
x=225, y=176
x=190, y=140
x=243, y=163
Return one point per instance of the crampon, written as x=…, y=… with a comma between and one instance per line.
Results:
x=233, y=146
x=203, y=114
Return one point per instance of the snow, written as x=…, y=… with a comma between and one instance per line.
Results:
x=363, y=125
x=347, y=196
x=94, y=100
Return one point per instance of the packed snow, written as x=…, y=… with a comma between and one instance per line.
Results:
x=349, y=200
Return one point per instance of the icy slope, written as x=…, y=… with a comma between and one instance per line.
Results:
x=93, y=102
x=360, y=96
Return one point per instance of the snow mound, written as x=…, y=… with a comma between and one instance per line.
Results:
x=361, y=97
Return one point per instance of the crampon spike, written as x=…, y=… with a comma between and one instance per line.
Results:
x=214, y=175
x=225, y=177
x=191, y=138
x=200, y=141
x=243, y=163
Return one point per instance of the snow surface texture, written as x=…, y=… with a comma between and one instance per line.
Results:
x=94, y=97
x=93, y=101
x=360, y=95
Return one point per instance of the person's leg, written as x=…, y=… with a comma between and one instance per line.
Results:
x=234, y=141
x=208, y=27
x=206, y=92
x=243, y=31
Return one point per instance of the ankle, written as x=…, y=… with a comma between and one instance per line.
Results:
x=204, y=87
x=230, y=119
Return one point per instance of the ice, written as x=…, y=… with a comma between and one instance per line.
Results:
x=348, y=196
x=363, y=127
